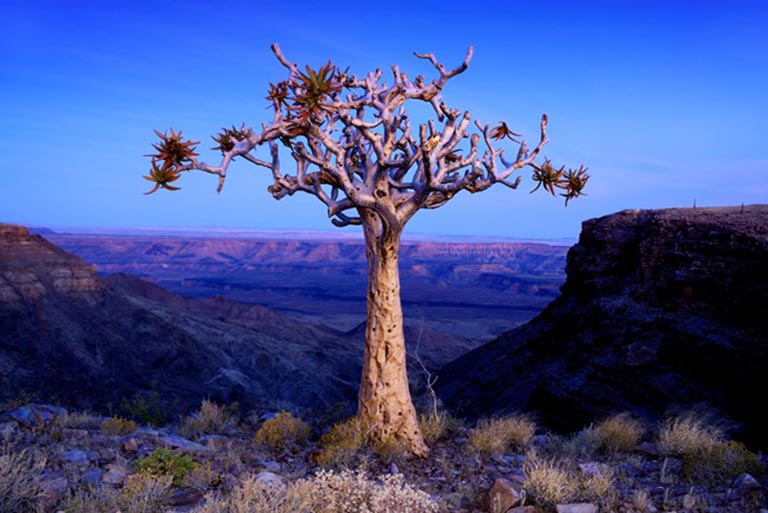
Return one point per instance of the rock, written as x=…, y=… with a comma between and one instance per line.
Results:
x=523, y=509
x=75, y=456
x=746, y=482
x=217, y=442
x=92, y=477
x=186, y=497
x=181, y=444
x=33, y=414
x=502, y=495
x=72, y=434
x=116, y=474
x=576, y=508
x=393, y=469
x=655, y=306
x=268, y=478
x=271, y=466
x=592, y=468
x=7, y=429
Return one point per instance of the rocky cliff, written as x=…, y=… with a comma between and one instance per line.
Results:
x=661, y=310
x=71, y=336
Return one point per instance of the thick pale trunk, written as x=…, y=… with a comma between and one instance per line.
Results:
x=384, y=401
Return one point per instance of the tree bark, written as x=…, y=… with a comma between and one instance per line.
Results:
x=384, y=401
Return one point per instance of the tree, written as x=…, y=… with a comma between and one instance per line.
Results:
x=354, y=149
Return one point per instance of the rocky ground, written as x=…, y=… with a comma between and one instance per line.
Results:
x=53, y=460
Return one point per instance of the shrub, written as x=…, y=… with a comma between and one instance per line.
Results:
x=282, y=432
x=328, y=492
x=165, y=462
x=118, y=426
x=495, y=436
x=255, y=496
x=718, y=464
x=620, y=433
x=210, y=419
x=549, y=482
x=340, y=445
x=687, y=433
x=144, y=493
x=19, y=474
x=147, y=409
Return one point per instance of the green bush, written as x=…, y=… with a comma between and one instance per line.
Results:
x=147, y=409
x=165, y=462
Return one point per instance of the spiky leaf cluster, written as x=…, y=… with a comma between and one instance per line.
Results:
x=228, y=137
x=172, y=152
x=549, y=178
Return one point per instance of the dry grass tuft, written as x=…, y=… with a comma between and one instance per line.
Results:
x=144, y=493
x=210, y=419
x=19, y=473
x=549, y=482
x=686, y=434
x=436, y=427
x=496, y=436
x=620, y=433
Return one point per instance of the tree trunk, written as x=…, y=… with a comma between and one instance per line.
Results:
x=384, y=401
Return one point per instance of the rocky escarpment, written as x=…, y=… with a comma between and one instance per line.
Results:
x=70, y=336
x=30, y=265
x=661, y=310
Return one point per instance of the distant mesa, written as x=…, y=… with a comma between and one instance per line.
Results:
x=661, y=310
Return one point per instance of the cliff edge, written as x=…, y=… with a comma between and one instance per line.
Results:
x=662, y=310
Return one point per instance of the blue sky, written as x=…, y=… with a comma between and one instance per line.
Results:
x=666, y=102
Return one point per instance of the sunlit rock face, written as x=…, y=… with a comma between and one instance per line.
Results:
x=29, y=265
x=661, y=310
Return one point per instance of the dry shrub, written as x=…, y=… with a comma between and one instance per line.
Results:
x=210, y=419
x=495, y=436
x=282, y=432
x=118, y=426
x=76, y=420
x=340, y=445
x=435, y=427
x=686, y=434
x=328, y=492
x=145, y=493
x=620, y=433
x=718, y=464
x=100, y=500
x=550, y=481
x=19, y=474
x=352, y=491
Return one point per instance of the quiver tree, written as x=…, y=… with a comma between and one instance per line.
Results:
x=353, y=147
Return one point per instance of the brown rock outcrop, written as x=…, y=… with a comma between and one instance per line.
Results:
x=661, y=310
x=29, y=265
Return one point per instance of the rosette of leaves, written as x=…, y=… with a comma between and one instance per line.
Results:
x=313, y=94
x=228, y=137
